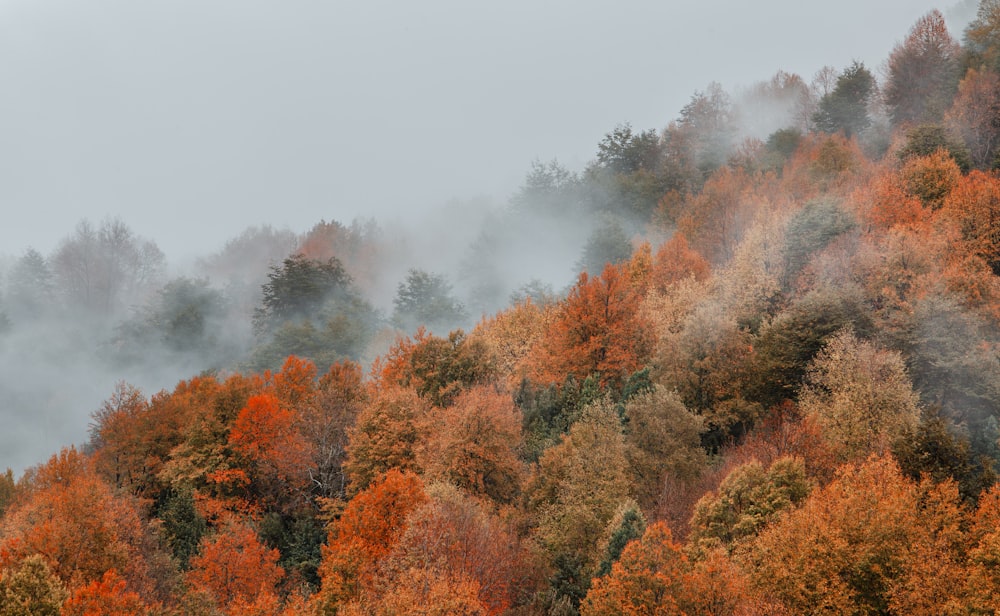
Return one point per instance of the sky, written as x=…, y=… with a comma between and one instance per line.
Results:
x=194, y=119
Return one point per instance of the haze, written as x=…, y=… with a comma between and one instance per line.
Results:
x=193, y=120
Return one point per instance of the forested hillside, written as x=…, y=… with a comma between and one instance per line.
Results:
x=745, y=364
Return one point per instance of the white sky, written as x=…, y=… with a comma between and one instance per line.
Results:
x=193, y=119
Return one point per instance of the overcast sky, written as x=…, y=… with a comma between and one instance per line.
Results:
x=193, y=119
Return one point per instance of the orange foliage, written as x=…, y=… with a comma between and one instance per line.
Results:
x=267, y=434
x=654, y=577
x=974, y=206
x=104, y=597
x=674, y=261
x=823, y=164
x=365, y=534
x=714, y=220
x=458, y=539
x=295, y=384
x=510, y=335
x=473, y=444
x=597, y=330
x=75, y=520
x=885, y=202
x=385, y=436
x=235, y=567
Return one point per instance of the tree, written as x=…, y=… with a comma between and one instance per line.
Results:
x=425, y=299
x=860, y=394
x=607, y=244
x=80, y=525
x=748, y=499
x=661, y=436
x=473, y=445
x=974, y=205
x=385, y=436
x=923, y=72
x=975, y=115
x=982, y=36
x=298, y=289
x=862, y=545
x=454, y=537
x=30, y=287
x=927, y=139
x=235, y=567
x=31, y=589
x=845, y=109
x=326, y=419
x=597, y=330
x=365, y=534
x=100, y=270
x=655, y=578
x=576, y=491
x=104, y=597
x=267, y=434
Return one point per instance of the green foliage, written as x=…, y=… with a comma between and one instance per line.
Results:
x=8, y=489
x=926, y=139
x=748, y=498
x=661, y=437
x=608, y=243
x=628, y=524
x=845, y=109
x=183, y=526
x=934, y=449
x=784, y=142
x=310, y=309
x=550, y=411
x=625, y=151
x=426, y=300
x=30, y=287
x=297, y=289
x=441, y=368
x=788, y=343
x=298, y=537
x=31, y=589
x=982, y=36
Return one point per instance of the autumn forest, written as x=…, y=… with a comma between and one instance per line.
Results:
x=756, y=371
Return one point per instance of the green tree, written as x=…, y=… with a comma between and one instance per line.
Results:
x=926, y=139
x=183, y=526
x=608, y=244
x=982, y=36
x=846, y=107
x=297, y=289
x=747, y=500
x=426, y=299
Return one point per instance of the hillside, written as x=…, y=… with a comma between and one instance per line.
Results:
x=747, y=363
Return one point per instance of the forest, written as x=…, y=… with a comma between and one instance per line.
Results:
x=753, y=369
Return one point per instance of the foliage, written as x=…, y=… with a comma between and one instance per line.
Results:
x=748, y=499
x=845, y=109
x=425, y=300
x=31, y=589
x=861, y=395
x=923, y=72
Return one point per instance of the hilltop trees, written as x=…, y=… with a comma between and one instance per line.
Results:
x=846, y=107
x=923, y=73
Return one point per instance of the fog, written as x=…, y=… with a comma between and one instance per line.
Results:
x=192, y=122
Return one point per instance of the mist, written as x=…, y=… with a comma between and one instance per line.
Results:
x=223, y=132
